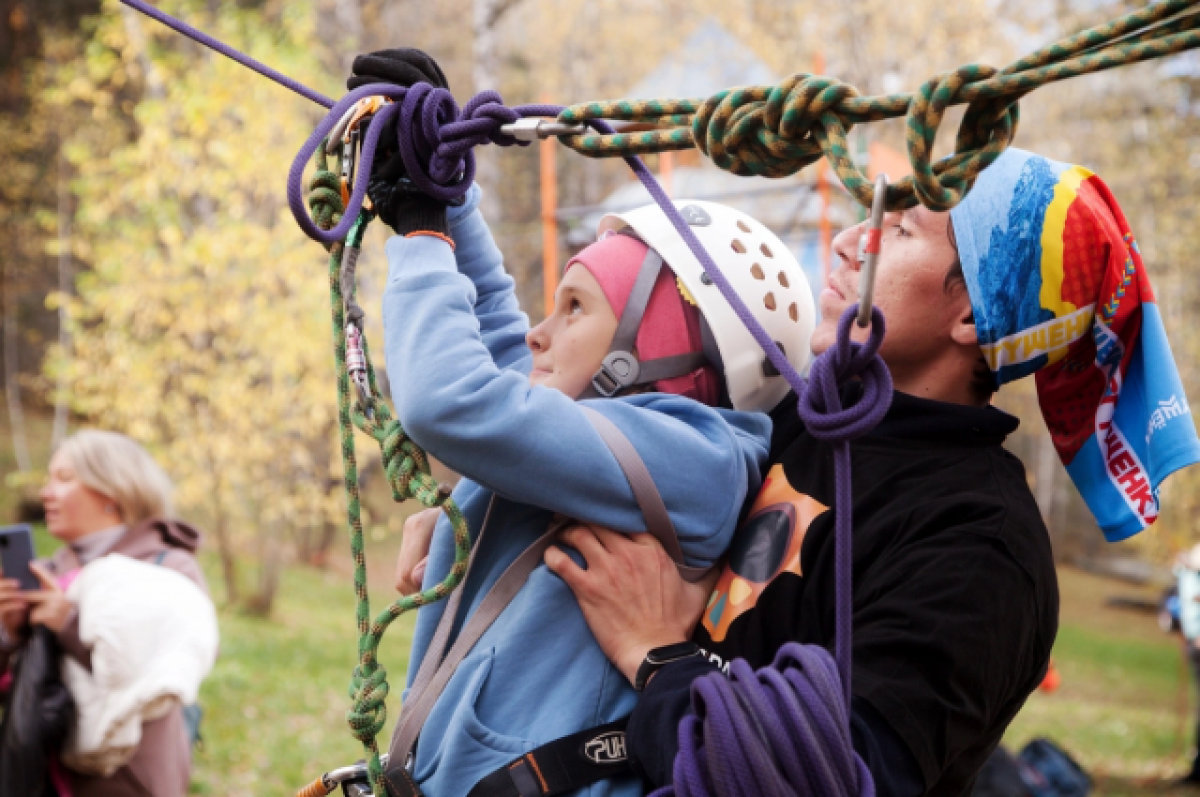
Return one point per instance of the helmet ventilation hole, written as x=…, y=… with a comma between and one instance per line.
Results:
x=739, y=247
x=766, y=250
x=794, y=312
x=757, y=272
x=743, y=226
x=769, y=301
x=783, y=280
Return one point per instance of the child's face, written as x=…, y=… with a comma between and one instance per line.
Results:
x=569, y=346
x=910, y=289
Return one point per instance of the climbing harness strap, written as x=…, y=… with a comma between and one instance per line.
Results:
x=438, y=666
x=654, y=511
x=418, y=708
x=563, y=765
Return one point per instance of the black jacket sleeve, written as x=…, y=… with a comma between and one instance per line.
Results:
x=653, y=733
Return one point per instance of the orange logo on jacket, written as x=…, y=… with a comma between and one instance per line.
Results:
x=767, y=544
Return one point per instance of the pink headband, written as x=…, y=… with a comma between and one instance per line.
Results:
x=671, y=324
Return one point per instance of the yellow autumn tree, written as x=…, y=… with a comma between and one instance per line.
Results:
x=201, y=322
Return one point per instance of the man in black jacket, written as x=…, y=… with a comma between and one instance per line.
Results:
x=955, y=597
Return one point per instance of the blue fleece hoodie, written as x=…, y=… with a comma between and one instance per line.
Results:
x=457, y=356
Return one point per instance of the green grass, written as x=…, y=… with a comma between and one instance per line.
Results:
x=275, y=704
x=276, y=701
x=1123, y=682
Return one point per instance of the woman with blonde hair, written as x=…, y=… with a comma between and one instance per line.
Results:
x=129, y=606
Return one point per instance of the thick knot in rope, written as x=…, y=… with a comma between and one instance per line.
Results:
x=783, y=731
x=325, y=197
x=404, y=462
x=820, y=403
x=368, y=691
x=435, y=138
x=777, y=130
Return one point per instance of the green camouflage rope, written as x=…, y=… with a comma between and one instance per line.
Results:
x=774, y=131
x=408, y=474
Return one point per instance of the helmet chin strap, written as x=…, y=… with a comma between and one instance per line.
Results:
x=621, y=370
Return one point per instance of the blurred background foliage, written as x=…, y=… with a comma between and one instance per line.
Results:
x=153, y=281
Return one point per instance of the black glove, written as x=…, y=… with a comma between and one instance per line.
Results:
x=398, y=202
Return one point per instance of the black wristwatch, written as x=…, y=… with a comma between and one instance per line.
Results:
x=660, y=657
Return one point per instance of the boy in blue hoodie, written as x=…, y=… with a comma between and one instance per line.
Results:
x=654, y=351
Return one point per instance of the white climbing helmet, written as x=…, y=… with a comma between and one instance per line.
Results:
x=763, y=272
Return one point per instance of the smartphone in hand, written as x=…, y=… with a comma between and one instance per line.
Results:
x=16, y=552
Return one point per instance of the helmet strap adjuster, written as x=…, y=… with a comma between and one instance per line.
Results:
x=619, y=370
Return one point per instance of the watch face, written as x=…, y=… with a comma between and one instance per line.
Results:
x=672, y=652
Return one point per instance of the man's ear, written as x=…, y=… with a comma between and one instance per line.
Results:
x=963, y=330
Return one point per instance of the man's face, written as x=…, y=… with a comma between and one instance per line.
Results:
x=910, y=282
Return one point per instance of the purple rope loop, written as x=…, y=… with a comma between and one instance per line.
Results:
x=435, y=138
x=820, y=408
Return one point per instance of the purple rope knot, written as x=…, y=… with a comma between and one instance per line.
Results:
x=437, y=141
x=820, y=402
x=435, y=137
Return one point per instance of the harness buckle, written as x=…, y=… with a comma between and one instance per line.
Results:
x=618, y=370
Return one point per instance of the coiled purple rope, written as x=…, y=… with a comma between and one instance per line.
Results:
x=781, y=731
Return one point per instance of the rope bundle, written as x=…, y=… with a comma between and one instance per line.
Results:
x=779, y=732
x=408, y=474
x=773, y=131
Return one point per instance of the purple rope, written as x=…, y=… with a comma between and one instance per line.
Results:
x=229, y=52
x=785, y=730
x=436, y=142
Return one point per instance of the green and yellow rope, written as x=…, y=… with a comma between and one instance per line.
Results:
x=774, y=131
x=408, y=474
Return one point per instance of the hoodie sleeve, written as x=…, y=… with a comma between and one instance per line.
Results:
x=502, y=325
x=533, y=444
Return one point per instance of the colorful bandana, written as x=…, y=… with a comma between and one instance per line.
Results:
x=1057, y=286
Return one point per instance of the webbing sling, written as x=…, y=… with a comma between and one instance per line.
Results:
x=563, y=765
x=436, y=669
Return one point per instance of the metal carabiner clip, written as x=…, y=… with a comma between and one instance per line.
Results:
x=868, y=253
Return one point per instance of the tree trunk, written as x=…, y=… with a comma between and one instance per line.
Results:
x=348, y=14
x=485, y=74
x=66, y=280
x=12, y=373
x=225, y=552
x=270, y=565
x=1047, y=472
x=137, y=37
